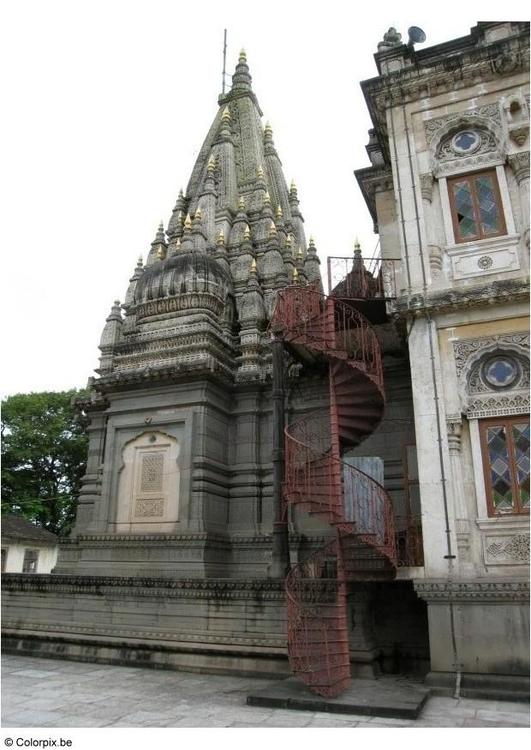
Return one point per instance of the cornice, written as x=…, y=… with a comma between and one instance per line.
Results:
x=495, y=293
x=471, y=591
x=190, y=588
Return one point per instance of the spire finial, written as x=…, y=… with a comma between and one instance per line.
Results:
x=272, y=229
x=295, y=275
x=241, y=203
x=221, y=238
x=289, y=240
x=253, y=266
x=140, y=262
x=267, y=199
x=211, y=165
x=247, y=233
x=160, y=253
x=259, y=171
x=178, y=244
x=357, y=247
x=225, y=115
x=299, y=253
x=159, y=237
x=312, y=243
x=242, y=59
x=181, y=194
x=268, y=131
x=188, y=222
x=279, y=212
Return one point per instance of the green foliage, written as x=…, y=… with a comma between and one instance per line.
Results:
x=44, y=449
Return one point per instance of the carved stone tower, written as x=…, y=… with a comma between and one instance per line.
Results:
x=179, y=475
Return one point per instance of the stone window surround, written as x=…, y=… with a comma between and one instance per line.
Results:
x=454, y=248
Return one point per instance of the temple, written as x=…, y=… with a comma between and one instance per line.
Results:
x=288, y=472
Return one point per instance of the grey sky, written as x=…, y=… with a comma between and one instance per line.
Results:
x=107, y=105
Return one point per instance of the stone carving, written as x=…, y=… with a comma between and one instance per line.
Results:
x=391, y=38
x=464, y=349
x=151, y=472
x=480, y=398
x=512, y=549
x=438, y=126
x=519, y=163
x=426, y=186
x=463, y=591
x=519, y=134
x=436, y=258
x=454, y=429
x=485, y=262
x=148, y=508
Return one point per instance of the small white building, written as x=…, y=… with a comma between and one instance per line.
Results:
x=27, y=548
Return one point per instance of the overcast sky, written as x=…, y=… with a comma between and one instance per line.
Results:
x=106, y=105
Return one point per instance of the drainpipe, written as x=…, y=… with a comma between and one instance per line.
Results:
x=449, y=552
x=280, y=551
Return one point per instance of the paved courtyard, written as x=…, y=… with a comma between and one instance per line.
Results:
x=52, y=693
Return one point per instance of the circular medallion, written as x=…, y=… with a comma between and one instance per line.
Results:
x=465, y=142
x=485, y=262
x=500, y=372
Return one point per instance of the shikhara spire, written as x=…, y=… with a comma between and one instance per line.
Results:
x=234, y=238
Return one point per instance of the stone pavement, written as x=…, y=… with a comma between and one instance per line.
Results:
x=52, y=693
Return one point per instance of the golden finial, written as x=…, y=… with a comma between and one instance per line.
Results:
x=253, y=266
x=211, y=164
x=272, y=229
x=259, y=171
x=160, y=253
x=247, y=232
x=241, y=203
x=279, y=212
x=198, y=214
x=289, y=240
x=221, y=237
x=295, y=275
x=267, y=199
x=243, y=56
x=188, y=222
x=293, y=187
x=178, y=243
x=226, y=114
x=299, y=253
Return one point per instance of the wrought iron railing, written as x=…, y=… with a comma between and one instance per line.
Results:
x=356, y=277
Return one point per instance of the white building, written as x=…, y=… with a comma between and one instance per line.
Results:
x=27, y=548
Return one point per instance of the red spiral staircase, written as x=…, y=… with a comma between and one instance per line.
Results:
x=355, y=506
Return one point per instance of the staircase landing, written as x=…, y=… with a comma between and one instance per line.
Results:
x=393, y=697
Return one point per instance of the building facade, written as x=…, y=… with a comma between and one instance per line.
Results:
x=448, y=190
x=27, y=548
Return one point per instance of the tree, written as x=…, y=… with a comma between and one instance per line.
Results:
x=44, y=449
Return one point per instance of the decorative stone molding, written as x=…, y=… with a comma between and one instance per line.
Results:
x=426, y=186
x=506, y=550
x=519, y=163
x=139, y=586
x=438, y=127
x=466, y=349
x=519, y=134
x=436, y=259
x=480, y=398
x=454, y=429
x=472, y=591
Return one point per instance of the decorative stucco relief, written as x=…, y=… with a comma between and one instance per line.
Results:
x=507, y=550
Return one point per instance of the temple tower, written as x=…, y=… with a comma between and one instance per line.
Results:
x=179, y=475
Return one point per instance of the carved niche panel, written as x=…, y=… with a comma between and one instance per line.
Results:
x=506, y=550
x=481, y=395
x=148, y=486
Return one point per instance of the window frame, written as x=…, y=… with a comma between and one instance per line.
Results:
x=27, y=552
x=507, y=423
x=470, y=177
